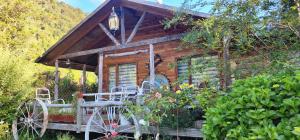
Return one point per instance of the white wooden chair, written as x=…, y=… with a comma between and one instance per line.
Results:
x=44, y=95
x=146, y=87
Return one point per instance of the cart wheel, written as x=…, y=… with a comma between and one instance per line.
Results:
x=112, y=122
x=32, y=120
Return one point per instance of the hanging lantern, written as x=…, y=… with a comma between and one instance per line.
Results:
x=113, y=21
x=68, y=62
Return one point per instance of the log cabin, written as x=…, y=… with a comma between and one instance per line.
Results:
x=125, y=43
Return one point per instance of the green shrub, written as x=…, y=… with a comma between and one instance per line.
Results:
x=207, y=97
x=65, y=137
x=66, y=87
x=16, y=77
x=164, y=108
x=261, y=107
x=4, y=130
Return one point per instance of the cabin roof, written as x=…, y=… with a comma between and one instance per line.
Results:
x=87, y=30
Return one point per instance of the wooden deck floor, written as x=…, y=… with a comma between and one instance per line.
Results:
x=187, y=132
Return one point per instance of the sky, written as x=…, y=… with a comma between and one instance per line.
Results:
x=89, y=6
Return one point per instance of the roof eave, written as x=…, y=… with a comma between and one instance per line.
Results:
x=173, y=9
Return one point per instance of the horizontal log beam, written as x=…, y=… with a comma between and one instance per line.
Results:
x=182, y=132
x=126, y=53
x=59, y=105
x=102, y=104
x=129, y=45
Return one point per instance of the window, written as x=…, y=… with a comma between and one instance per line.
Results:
x=127, y=75
x=122, y=75
x=112, y=77
x=198, y=70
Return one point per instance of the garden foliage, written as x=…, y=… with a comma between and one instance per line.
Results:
x=164, y=108
x=4, y=130
x=15, y=83
x=261, y=107
x=27, y=29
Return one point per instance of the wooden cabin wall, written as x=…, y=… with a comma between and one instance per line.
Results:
x=168, y=51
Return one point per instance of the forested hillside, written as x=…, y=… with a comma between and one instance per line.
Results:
x=27, y=29
x=31, y=26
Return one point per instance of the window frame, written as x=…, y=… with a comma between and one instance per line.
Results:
x=190, y=65
x=117, y=72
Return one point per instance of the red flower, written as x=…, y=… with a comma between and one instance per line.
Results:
x=114, y=134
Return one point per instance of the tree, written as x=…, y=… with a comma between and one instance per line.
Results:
x=27, y=29
x=15, y=83
x=31, y=27
x=238, y=27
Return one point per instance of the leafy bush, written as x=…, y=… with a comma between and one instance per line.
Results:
x=65, y=137
x=4, y=130
x=16, y=77
x=66, y=86
x=261, y=107
x=207, y=97
x=166, y=108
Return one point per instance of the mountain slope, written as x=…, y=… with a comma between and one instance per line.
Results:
x=31, y=27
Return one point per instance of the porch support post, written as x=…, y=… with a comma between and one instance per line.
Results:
x=100, y=72
x=56, y=80
x=84, y=78
x=226, y=59
x=123, y=35
x=152, y=68
x=79, y=115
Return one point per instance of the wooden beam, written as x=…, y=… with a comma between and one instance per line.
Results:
x=100, y=73
x=84, y=78
x=107, y=32
x=156, y=40
x=79, y=114
x=78, y=32
x=102, y=104
x=226, y=58
x=126, y=53
x=159, y=9
x=136, y=27
x=130, y=45
x=59, y=105
x=183, y=132
x=152, y=67
x=123, y=35
x=56, y=80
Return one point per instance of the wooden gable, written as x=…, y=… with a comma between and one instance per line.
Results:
x=89, y=37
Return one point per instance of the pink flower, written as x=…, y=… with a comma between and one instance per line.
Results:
x=158, y=95
x=114, y=125
x=114, y=134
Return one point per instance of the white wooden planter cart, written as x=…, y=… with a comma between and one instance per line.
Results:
x=110, y=117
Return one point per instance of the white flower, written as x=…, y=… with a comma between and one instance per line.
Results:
x=143, y=122
x=1, y=122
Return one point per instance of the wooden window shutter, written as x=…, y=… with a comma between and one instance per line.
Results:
x=183, y=71
x=127, y=75
x=204, y=69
